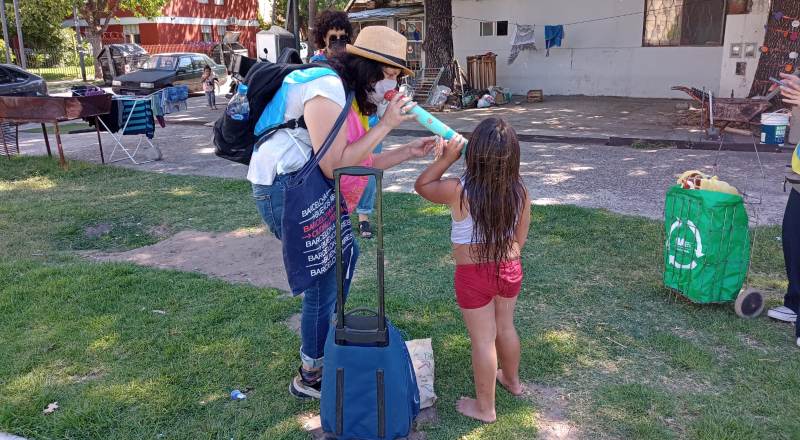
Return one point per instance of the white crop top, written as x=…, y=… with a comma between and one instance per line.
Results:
x=461, y=230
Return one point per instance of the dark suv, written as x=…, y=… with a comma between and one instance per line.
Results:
x=17, y=82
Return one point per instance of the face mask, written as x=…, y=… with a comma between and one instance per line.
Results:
x=384, y=85
x=381, y=87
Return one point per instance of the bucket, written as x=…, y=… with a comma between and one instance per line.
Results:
x=773, y=128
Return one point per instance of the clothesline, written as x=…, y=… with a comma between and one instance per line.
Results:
x=591, y=20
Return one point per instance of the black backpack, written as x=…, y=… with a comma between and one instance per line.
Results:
x=234, y=140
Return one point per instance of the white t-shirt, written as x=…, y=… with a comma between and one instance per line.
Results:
x=289, y=149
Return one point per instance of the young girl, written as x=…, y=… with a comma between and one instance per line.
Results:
x=491, y=216
x=210, y=85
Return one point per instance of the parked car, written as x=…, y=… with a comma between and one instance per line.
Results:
x=15, y=81
x=168, y=69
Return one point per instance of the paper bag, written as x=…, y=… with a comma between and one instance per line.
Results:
x=421, y=353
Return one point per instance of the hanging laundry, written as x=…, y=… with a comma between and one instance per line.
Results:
x=110, y=119
x=553, y=34
x=158, y=109
x=524, y=39
x=139, y=118
x=174, y=99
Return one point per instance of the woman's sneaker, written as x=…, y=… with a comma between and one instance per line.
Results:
x=307, y=384
x=782, y=313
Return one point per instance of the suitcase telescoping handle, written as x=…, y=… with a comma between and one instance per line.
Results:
x=361, y=325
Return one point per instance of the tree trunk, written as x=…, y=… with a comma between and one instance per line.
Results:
x=312, y=17
x=96, y=40
x=438, y=45
x=274, y=18
x=779, y=46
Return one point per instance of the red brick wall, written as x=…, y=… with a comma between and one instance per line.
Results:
x=241, y=9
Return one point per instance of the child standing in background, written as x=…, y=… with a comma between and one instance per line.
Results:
x=490, y=219
x=210, y=86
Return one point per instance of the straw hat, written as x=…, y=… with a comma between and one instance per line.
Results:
x=381, y=44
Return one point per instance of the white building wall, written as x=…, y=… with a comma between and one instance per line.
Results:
x=742, y=30
x=600, y=58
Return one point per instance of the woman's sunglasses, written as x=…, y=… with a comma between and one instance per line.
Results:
x=338, y=39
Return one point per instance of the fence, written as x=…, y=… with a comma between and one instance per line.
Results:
x=53, y=64
x=204, y=47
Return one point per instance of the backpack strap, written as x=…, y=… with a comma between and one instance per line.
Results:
x=290, y=124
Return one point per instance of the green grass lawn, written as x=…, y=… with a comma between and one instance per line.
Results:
x=596, y=324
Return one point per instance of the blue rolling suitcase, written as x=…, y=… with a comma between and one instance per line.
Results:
x=369, y=390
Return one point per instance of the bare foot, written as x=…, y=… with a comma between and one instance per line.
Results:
x=513, y=388
x=469, y=408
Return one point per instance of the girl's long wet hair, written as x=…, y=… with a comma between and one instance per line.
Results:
x=493, y=188
x=359, y=75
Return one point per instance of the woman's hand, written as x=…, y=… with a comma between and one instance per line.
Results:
x=450, y=150
x=791, y=89
x=421, y=147
x=397, y=112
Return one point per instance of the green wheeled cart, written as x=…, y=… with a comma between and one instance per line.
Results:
x=707, y=249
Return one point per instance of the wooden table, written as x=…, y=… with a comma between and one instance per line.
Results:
x=53, y=109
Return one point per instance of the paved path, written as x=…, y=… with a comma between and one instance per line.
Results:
x=621, y=179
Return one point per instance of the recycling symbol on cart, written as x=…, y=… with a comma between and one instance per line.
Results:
x=685, y=250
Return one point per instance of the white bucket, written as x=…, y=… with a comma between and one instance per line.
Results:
x=773, y=128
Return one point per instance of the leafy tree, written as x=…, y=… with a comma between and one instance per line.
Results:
x=98, y=15
x=41, y=22
x=279, y=12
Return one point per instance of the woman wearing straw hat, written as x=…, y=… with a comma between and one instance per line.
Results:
x=318, y=95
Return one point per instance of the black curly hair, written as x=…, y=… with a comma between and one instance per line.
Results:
x=327, y=20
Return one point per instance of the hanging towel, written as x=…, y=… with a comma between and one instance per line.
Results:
x=174, y=99
x=158, y=108
x=553, y=34
x=524, y=39
x=141, y=117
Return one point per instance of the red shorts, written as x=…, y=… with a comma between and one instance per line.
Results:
x=477, y=284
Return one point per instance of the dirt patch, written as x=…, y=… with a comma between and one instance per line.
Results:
x=97, y=230
x=551, y=418
x=90, y=376
x=294, y=323
x=245, y=256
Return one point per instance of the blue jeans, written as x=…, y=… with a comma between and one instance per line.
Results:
x=319, y=301
x=367, y=202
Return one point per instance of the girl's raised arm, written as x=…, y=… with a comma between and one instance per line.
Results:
x=430, y=184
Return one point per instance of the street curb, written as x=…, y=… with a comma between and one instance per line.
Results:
x=701, y=145
x=613, y=141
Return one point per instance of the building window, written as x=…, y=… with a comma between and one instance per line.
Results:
x=221, y=29
x=502, y=28
x=219, y=2
x=487, y=28
x=205, y=2
x=130, y=32
x=357, y=26
x=205, y=30
x=684, y=23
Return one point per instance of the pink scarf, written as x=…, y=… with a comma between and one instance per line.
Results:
x=352, y=187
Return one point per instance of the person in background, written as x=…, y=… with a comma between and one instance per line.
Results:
x=210, y=86
x=332, y=32
x=367, y=203
x=791, y=224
